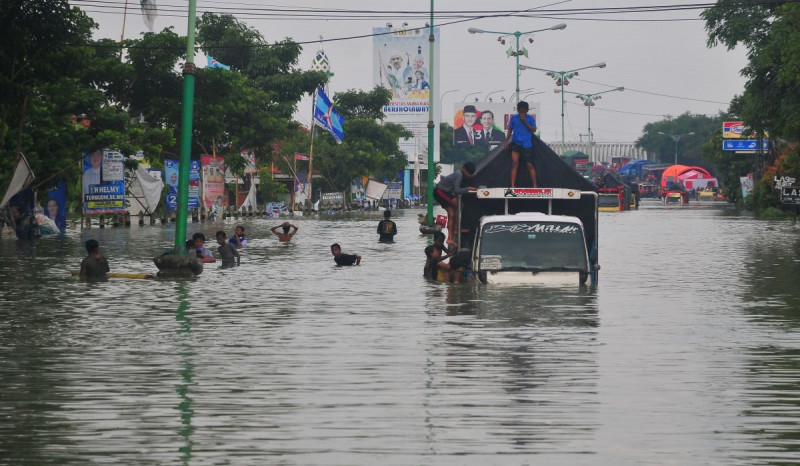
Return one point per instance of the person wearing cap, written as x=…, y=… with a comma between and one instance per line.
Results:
x=465, y=134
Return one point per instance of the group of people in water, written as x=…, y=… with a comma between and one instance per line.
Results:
x=442, y=262
x=94, y=266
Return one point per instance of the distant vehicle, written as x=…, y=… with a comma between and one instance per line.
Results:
x=676, y=197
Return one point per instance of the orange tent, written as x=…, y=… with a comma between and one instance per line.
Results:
x=672, y=173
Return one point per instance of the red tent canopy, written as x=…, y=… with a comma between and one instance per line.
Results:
x=674, y=172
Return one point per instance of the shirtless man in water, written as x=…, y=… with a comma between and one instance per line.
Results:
x=288, y=231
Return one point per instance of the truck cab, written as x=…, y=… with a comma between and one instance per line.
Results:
x=531, y=248
x=529, y=239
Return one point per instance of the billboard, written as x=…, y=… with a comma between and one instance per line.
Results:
x=213, y=182
x=171, y=174
x=103, y=182
x=485, y=124
x=400, y=64
x=732, y=129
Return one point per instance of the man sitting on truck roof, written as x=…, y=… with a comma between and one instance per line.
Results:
x=446, y=193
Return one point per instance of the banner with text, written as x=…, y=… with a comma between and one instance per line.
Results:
x=400, y=64
x=213, y=169
x=103, y=182
x=171, y=175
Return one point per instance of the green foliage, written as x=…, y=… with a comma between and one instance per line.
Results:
x=369, y=147
x=456, y=154
x=770, y=31
x=270, y=190
x=689, y=146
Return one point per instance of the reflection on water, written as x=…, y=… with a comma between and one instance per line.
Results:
x=685, y=353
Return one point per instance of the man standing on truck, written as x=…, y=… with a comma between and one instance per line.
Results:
x=446, y=193
x=522, y=126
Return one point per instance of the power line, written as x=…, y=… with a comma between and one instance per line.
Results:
x=655, y=93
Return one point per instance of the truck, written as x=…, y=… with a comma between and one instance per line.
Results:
x=545, y=235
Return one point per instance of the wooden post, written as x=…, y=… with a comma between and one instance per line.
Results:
x=141, y=218
x=202, y=213
x=164, y=217
x=88, y=221
x=102, y=221
x=127, y=219
x=195, y=218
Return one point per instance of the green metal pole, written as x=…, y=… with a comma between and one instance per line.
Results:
x=563, y=144
x=517, y=34
x=186, y=135
x=431, y=142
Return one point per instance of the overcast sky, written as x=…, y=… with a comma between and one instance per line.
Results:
x=648, y=53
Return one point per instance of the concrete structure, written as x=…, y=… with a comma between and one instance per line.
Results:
x=604, y=151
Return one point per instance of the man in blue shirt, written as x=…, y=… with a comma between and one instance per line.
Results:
x=522, y=126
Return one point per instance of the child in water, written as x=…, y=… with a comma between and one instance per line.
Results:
x=227, y=252
x=93, y=266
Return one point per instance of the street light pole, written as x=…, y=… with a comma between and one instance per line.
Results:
x=588, y=101
x=441, y=100
x=562, y=79
x=676, y=138
x=471, y=93
x=517, y=52
x=493, y=92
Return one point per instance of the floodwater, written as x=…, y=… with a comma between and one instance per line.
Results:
x=687, y=352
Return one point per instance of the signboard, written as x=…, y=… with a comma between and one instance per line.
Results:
x=394, y=191
x=732, y=129
x=743, y=144
x=171, y=174
x=790, y=195
x=401, y=60
x=375, y=189
x=485, y=124
x=528, y=193
x=213, y=182
x=746, y=183
x=103, y=182
x=332, y=200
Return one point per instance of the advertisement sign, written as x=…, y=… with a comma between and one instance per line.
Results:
x=213, y=169
x=394, y=191
x=55, y=205
x=732, y=129
x=401, y=64
x=485, y=124
x=301, y=188
x=790, y=195
x=332, y=200
x=103, y=182
x=747, y=185
x=171, y=173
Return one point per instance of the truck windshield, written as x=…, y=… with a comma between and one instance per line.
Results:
x=609, y=200
x=532, y=245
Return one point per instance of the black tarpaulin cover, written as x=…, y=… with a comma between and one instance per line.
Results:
x=494, y=171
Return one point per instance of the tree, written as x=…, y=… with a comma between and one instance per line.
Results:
x=370, y=147
x=770, y=31
x=456, y=154
x=689, y=146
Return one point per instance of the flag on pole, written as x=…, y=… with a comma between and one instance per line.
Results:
x=149, y=13
x=213, y=63
x=326, y=117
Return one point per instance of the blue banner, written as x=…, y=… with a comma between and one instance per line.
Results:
x=326, y=116
x=55, y=205
x=103, y=182
x=171, y=174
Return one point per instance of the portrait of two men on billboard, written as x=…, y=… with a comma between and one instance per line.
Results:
x=475, y=127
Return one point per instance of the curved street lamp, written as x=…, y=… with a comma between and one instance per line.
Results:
x=441, y=101
x=516, y=51
x=471, y=93
x=562, y=79
x=493, y=92
x=588, y=101
x=676, y=138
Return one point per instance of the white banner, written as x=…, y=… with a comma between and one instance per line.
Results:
x=375, y=189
